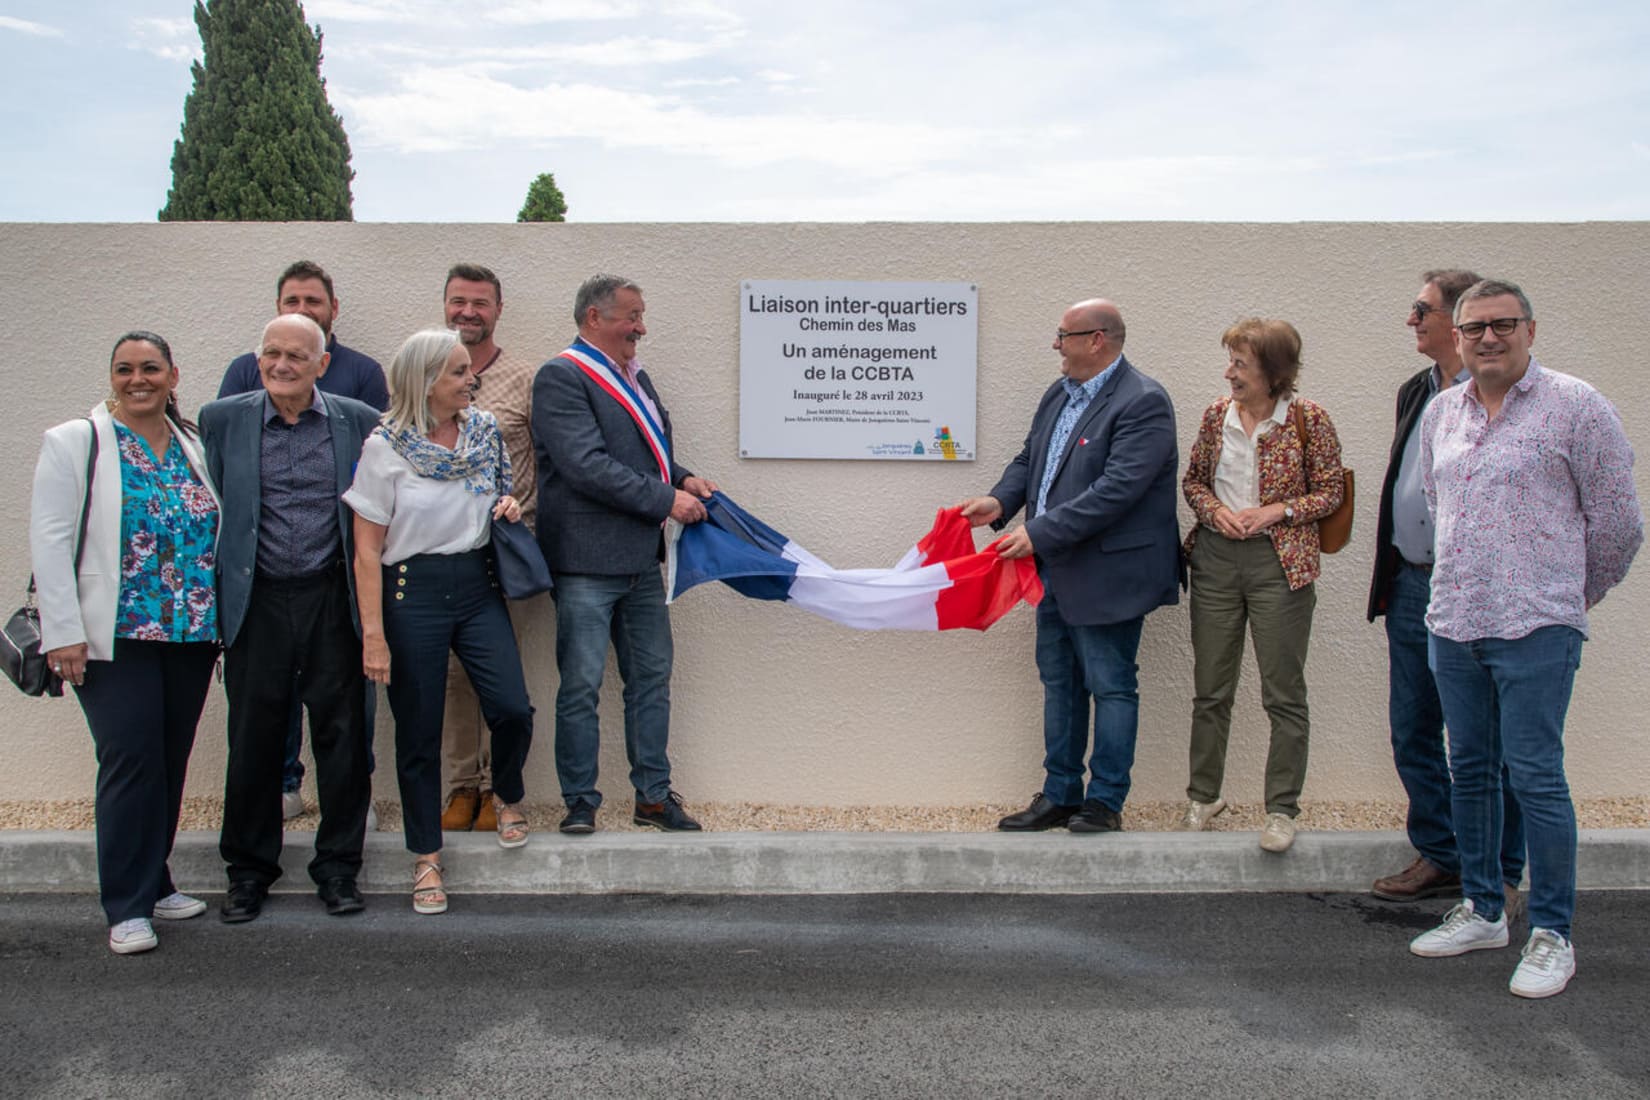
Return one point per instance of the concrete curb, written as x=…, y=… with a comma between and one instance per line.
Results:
x=831, y=863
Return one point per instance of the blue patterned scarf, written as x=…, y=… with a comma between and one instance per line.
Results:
x=478, y=458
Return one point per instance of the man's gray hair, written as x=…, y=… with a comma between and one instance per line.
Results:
x=1451, y=282
x=305, y=321
x=1494, y=288
x=599, y=291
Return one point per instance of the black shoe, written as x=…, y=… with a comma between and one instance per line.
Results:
x=1095, y=817
x=667, y=815
x=1041, y=814
x=580, y=819
x=244, y=902
x=341, y=896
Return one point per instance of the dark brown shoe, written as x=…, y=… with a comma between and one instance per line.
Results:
x=1421, y=879
x=460, y=814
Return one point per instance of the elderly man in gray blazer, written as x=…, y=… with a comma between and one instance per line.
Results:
x=608, y=479
x=282, y=457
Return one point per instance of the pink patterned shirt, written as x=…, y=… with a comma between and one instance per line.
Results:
x=1535, y=511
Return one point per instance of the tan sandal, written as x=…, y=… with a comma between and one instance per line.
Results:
x=512, y=824
x=428, y=899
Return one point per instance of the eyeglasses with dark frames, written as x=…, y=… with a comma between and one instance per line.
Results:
x=1421, y=309
x=1501, y=326
x=1060, y=334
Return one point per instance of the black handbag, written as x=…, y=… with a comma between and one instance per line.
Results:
x=518, y=561
x=20, y=638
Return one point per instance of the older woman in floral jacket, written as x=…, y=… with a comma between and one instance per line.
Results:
x=1265, y=468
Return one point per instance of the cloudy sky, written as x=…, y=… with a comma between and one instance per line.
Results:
x=764, y=110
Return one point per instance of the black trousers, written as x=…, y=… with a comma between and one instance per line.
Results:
x=142, y=708
x=297, y=638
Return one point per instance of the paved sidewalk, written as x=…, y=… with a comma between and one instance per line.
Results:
x=832, y=863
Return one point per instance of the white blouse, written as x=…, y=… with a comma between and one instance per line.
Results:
x=424, y=515
x=1237, y=476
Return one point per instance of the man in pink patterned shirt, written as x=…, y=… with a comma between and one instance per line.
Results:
x=1529, y=478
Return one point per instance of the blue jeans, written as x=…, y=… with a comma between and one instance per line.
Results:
x=1504, y=702
x=1417, y=721
x=1076, y=662
x=628, y=610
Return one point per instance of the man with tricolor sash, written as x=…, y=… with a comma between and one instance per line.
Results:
x=608, y=479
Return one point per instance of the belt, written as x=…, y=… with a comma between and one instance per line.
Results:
x=1425, y=567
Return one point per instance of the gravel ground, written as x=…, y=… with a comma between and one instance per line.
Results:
x=205, y=813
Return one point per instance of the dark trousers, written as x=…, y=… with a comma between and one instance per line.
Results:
x=298, y=637
x=436, y=604
x=142, y=708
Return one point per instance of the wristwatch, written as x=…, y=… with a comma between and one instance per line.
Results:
x=1288, y=513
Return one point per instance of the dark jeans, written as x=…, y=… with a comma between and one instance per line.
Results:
x=298, y=639
x=1076, y=662
x=1417, y=719
x=1505, y=702
x=142, y=708
x=436, y=604
x=628, y=610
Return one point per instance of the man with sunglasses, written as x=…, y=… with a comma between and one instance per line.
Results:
x=1529, y=479
x=1400, y=590
x=1097, y=480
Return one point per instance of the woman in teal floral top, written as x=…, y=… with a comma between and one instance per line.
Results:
x=129, y=618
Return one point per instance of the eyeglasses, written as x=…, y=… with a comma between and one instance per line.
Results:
x=1421, y=309
x=1060, y=334
x=1501, y=326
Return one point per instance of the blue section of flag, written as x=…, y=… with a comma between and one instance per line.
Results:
x=734, y=547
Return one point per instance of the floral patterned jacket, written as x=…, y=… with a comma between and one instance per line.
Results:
x=1313, y=487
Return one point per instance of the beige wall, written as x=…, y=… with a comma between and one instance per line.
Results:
x=772, y=705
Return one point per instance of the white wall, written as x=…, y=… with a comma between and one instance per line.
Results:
x=772, y=705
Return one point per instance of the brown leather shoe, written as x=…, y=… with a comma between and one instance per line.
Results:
x=1421, y=879
x=486, y=816
x=460, y=814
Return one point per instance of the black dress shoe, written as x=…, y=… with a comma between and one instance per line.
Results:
x=667, y=815
x=244, y=902
x=1095, y=817
x=341, y=896
x=1041, y=814
x=580, y=820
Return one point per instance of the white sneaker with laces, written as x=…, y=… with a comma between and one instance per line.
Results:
x=1463, y=930
x=292, y=804
x=132, y=936
x=1546, y=967
x=1278, y=834
x=177, y=906
x=1200, y=815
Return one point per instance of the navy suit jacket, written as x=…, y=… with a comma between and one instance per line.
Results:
x=602, y=501
x=1108, y=544
x=232, y=432
x=1412, y=401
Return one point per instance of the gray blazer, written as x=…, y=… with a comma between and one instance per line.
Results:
x=232, y=431
x=601, y=500
x=1108, y=546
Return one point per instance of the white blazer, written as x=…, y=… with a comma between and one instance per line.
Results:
x=82, y=609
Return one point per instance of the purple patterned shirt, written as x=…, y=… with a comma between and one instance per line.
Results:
x=1535, y=511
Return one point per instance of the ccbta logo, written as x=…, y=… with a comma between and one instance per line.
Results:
x=943, y=441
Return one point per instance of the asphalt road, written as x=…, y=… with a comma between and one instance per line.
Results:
x=1277, y=995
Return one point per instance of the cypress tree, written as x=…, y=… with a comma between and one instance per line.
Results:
x=545, y=202
x=260, y=142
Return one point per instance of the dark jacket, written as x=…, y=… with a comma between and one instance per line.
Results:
x=1108, y=546
x=1412, y=400
x=349, y=374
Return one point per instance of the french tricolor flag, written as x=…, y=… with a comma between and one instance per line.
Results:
x=942, y=583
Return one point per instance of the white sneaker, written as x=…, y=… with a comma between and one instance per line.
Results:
x=1463, y=930
x=292, y=804
x=1547, y=965
x=176, y=906
x=132, y=936
x=1278, y=834
x=1200, y=815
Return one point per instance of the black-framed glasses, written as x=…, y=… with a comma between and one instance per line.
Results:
x=1501, y=326
x=1421, y=309
x=1060, y=334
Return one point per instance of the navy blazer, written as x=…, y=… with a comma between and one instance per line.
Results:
x=1108, y=545
x=232, y=432
x=602, y=502
x=1412, y=401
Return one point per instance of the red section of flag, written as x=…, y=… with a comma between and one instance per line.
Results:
x=984, y=587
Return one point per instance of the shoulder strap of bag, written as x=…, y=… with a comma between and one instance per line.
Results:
x=1299, y=421
x=85, y=507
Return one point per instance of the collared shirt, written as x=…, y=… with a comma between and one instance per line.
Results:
x=1237, y=472
x=298, y=517
x=632, y=372
x=1078, y=397
x=168, y=539
x=1535, y=510
x=349, y=374
x=505, y=389
x=1411, y=521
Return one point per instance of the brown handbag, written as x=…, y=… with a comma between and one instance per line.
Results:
x=1335, y=529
